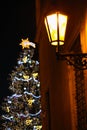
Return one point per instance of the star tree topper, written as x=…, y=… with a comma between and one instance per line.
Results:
x=26, y=43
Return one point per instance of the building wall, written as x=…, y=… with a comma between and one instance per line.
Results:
x=72, y=93
x=58, y=108
x=83, y=37
x=54, y=80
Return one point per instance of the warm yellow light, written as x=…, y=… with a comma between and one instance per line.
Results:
x=62, y=27
x=56, y=27
x=52, y=22
x=26, y=43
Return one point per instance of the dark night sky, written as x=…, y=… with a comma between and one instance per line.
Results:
x=17, y=21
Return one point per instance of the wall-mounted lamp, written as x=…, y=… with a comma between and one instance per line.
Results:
x=56, y=27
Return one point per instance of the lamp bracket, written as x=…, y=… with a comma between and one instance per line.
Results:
x=79, y=61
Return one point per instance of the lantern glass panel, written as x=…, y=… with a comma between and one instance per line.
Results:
x=62, y=28
x=52, y=28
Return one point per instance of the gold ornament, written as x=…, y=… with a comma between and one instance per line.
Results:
x=35, y=75
x=26, y=77
x=26, y=43
x=25, y=59
x=28, y=121
x=8, y=110
x=30, y=101
x=39, y=127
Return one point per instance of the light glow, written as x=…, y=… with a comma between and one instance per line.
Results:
x=26, y=43
x=56, y=27
x=52, y=22
x=62, y=27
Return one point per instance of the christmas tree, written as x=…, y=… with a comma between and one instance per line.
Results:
x=22, y=109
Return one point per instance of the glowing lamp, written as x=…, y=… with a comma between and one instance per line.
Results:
x=56, y=27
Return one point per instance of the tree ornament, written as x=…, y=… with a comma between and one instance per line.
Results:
x=26, y=77
x=26, y=43
x=25, y=59
x=30, y=101
x=28, y=122
x=39, y=127
x=35, y=75
x=8, y=110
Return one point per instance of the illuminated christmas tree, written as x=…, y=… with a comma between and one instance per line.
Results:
x=22, y=109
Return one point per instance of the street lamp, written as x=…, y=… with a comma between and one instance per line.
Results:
x=56, y=27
